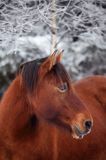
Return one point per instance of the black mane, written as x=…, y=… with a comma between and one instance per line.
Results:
x=29, y=72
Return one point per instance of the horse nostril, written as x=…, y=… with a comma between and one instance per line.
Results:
x=88, y=124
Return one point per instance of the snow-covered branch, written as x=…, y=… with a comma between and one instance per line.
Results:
x=20, y=18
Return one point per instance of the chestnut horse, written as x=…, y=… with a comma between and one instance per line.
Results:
x=92, y=91
x=40, y=112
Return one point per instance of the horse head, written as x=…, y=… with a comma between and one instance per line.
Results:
x=52, y=96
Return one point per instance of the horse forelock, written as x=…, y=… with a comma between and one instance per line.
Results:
x=61, y=73
x=30, y=77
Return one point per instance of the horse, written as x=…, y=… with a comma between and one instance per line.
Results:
x=1, y=94
x=38, y=109
x=92, y=91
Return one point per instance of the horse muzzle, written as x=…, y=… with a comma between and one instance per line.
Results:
x=78, y=132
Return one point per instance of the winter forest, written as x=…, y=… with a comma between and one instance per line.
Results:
x=25, y=34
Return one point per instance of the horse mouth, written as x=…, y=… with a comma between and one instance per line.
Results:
x=77, y=133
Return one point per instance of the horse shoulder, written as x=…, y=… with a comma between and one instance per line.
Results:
x=92, y=91
x=92, y=88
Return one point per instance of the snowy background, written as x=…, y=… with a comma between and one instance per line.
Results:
x=25, y=33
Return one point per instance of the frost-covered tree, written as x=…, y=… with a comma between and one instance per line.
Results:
x=21, y=18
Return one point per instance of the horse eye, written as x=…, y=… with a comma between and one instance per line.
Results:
x=33, y=121
x=63, y=87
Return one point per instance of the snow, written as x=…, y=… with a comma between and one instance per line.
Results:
x=25, y=33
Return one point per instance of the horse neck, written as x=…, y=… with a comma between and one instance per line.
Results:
x=11, y=104
x=48, y=138
x=13, y=98
x=13, y=93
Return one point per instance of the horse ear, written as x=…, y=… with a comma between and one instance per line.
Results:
x=59, y=57
x=47, y=64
